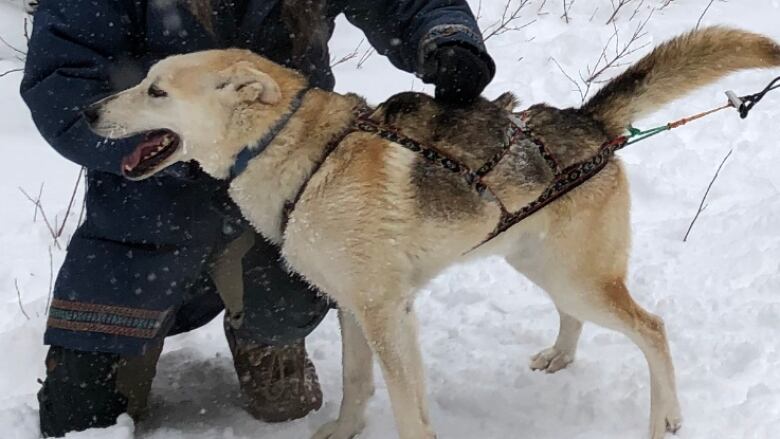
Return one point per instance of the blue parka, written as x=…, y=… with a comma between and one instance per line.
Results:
x=144, y=245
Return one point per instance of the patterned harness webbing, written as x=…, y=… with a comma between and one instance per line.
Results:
x=564, y=180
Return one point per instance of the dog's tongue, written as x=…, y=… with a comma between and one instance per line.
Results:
x=131, y=161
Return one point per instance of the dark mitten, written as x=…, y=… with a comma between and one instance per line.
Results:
x=460, y=74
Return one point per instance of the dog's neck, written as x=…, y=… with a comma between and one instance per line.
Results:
x=249, y=152
x=274, y=177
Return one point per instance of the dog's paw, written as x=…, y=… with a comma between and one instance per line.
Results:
x=669, y=423
x=551, y=360
x=339, y=430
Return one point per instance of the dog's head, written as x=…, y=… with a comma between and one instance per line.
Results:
x=203, y=106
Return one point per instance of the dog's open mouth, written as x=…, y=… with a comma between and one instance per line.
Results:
x=149, y=154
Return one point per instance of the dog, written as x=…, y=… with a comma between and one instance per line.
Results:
x=375, y=221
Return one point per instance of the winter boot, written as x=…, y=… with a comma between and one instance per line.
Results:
x=278, y=382
x=86, y=390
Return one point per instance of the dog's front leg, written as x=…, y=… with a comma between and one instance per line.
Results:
x=358, y=377
x=391, y=330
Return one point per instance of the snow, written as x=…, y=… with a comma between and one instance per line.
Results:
x=481, y=322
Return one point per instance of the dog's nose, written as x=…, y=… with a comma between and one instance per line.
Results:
x=91, y=114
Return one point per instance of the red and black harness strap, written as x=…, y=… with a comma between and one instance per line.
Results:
x=362, y=122
x=564, y=181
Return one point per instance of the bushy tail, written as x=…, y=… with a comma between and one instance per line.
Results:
x=676, y=68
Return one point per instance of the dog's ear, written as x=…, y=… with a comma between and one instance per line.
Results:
x=250, y=84
x=507, y=101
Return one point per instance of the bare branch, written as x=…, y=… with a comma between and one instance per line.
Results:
x=51, y=281
x=593, y=15
x=541, y=8
x=583, y=93
x=8, y=72
x=26, y=30
x=70, y=202
x=10, y=46
x=698, y=23
x=621, y=52
x=35, y=210
x=616, y=9
x=508, y=16
x=19, y=299
x=37, y=203
x=702, y=205
x=348, y=56
x=565, y=15
x=636, y=10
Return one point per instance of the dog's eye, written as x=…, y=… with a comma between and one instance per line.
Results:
x=156, y=92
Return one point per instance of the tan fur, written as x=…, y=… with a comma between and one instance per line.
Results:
x=376, y=221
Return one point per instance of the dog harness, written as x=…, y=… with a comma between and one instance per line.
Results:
x=518, y=133
x=565, y=179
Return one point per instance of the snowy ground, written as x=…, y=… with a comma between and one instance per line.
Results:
x=481, y=322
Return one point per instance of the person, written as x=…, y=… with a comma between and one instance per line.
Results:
x=140, y=267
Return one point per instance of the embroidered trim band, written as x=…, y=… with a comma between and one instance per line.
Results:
x=106, y=319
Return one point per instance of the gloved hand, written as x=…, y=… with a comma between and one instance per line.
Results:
x=459, y=73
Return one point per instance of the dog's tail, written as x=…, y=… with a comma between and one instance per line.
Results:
x=678, y=67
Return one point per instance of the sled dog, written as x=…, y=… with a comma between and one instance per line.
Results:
x=375, y=220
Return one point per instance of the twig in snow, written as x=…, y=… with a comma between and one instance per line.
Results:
x=70, y=202
x=35, y=210
x=26, y=30
x=37, y=203
x=541, y=7
x=621, y=52
x=11, y=46
x=703, y=206
x=636, y=10
x=698, y=23
x=19, y=299
x=583, y=93
x=508, y=17
x=51, y=280
x=605, y=62
x=616, y=9
x=566, y=6
x=83, y=203
x=8, y=72
x=592, y=16
x=348, y=56
x=366, y=55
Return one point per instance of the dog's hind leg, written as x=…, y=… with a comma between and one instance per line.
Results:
x=562, y=353
x=614, y=308
x=607, y=303
x=358, y=381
